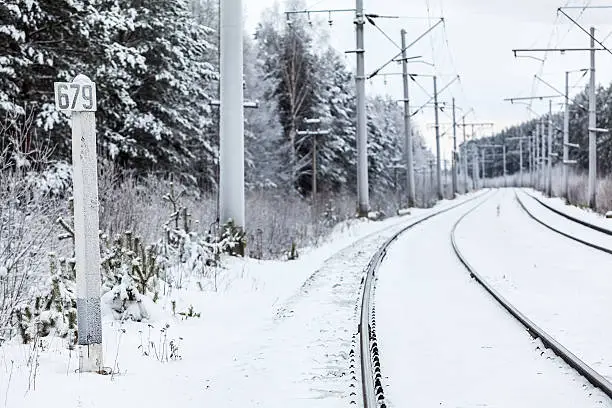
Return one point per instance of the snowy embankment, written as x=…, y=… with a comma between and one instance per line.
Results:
x=444, y=341
x=272, y=333
x=560, y=284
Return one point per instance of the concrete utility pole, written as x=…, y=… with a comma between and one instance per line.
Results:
x=231, y=143
x=79, y=98
x=521, y=162
x=493, y=147
x=593, y=130
x=520, y=153
x=536, y=157
x=437, y=126
x=543, y=153
x=566, y=138
x=465, y=159
x=314, y=134
x=531, y=158
x=505, y=179
x=550, y=138
x=592, y=190
x=363, y=196
x=407, y=127
x=431, y=174
x=362, y=141
x=475, y=177
x=454, y=157
x=566, y=144
x=484, y=170
x=537, y=167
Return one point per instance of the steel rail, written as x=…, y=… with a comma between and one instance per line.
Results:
x=371, y=392
x=569, y=217
x=558, y=231
x=534, y=330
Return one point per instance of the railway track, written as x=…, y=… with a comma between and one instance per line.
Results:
x=577, y=221
x=569, y=217
x=534, y=330
x=371, y=377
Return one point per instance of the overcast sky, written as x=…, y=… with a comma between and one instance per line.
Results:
x=481, y=35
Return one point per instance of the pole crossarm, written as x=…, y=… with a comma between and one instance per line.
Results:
x=246, y=104
x=562, y=50
x=560, y=9
x=476, y=124
x=376, y=71
x=584, y=7
x=312, y=132
x=320, y=11
x=518, y=138
x=527, y=98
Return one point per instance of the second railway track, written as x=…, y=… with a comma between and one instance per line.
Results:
x=589, y=227
x=534, y=330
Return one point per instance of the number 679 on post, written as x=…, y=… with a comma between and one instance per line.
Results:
x=76, y=96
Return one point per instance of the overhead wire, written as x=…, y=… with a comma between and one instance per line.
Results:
x=534, y=86
x=371, y=21
x=534, y=83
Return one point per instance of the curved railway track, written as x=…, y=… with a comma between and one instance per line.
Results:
x=372, y=391
x=568, y=217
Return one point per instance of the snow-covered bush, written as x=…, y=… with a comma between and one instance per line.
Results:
x=232, y=240
x=130, y=271
x=54, y=309
x=55, y=180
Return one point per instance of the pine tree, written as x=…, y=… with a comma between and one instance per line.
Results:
x=262, y=127
x=336, y=105
x=154, y=83
x=150, y=61
x=41, y=41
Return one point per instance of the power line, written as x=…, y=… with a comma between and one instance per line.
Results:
x=585, y=30
x=433, y=53
x=371, y=21
x=534, y=83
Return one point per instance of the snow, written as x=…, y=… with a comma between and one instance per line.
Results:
x=445, y=342
x=562, y=285
x=274, y=334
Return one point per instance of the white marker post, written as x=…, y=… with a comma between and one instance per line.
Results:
x=79, y=98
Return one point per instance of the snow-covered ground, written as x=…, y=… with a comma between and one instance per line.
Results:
x=274, y=334
x=562, y=285
x=445, y=342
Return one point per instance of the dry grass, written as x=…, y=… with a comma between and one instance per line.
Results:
x=577, y=187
